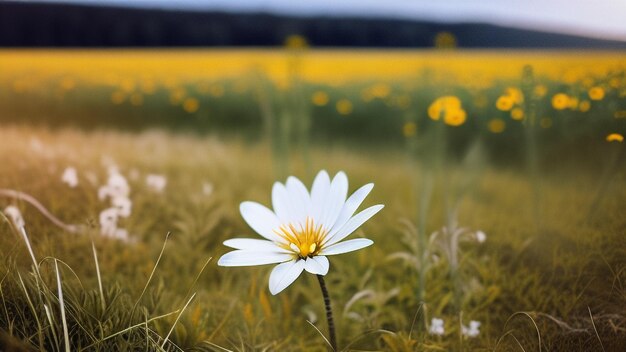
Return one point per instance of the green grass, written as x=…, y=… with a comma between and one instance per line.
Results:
x=552, y=276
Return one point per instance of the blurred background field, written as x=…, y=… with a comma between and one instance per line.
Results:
x=377, y=96
x=497, y=150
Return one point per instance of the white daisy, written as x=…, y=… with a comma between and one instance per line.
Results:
x=473, y=330
x=481, y=236
x=108, y=221
x=302, y=229
x=108, y=224
x=123, y=206
x=116, y=186
x=436, y=327
x=70, y=177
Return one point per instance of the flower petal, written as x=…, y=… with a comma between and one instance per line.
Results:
x=281, y=203
x=346, y=246
x=335, y=200
x=300, y=199
x=351, y=205
x=254, y=244
x=353, y=224
x=261, y=220
x=284, y=275
x=246, y=257
x=317, y=265
x=319, y=193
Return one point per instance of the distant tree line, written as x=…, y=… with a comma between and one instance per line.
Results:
x=62, y=25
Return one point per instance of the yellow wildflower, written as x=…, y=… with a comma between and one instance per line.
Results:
x=540, y=90
x=443, y=105
x=515, y=94
x=517, y=114
x=320, y=98
x=191, y=105
x=296, y=41
x=584, y=106
x=344, y=106
x=445, y=40
x=560, y=101
x=409, y=129
x=615, y=137
x=596, y=93
x=505, y=103
x=455, y=117
x=496, y=125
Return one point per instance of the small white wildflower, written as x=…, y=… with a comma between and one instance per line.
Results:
x=473, y=330
x=108, y=221
x=70, y=177
x=436, y=327
x=207, y=188
x=108, y=225
x=481, y=236
x=120, y=234
x=116, y=186
x=156, y=182
x=123, y=206
x=15, y=216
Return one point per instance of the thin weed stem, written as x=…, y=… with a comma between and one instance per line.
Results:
x=34, y=202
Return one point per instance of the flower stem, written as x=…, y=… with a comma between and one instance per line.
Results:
x=329, y=313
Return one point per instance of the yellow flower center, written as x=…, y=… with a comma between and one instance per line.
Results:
x=304, y=240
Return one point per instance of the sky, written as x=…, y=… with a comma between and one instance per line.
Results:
x=592, y=18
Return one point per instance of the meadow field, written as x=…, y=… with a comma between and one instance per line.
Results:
x=502, y=175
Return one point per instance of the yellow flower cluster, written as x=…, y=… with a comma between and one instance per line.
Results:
x=448, y=107
x=562, y=101
x=512, y=101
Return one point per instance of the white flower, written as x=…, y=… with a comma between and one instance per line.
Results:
x=116, y=186
x=156, y=182
x=123, y=206
x=481, y=236
x=302, y=229
x=473, y=330
x=70, y=177
x=108, y=221
x=436, y=327
x=15, y=216
x=108, y=224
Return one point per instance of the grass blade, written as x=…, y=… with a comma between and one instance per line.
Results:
x=176, y=321
x=66, y=336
